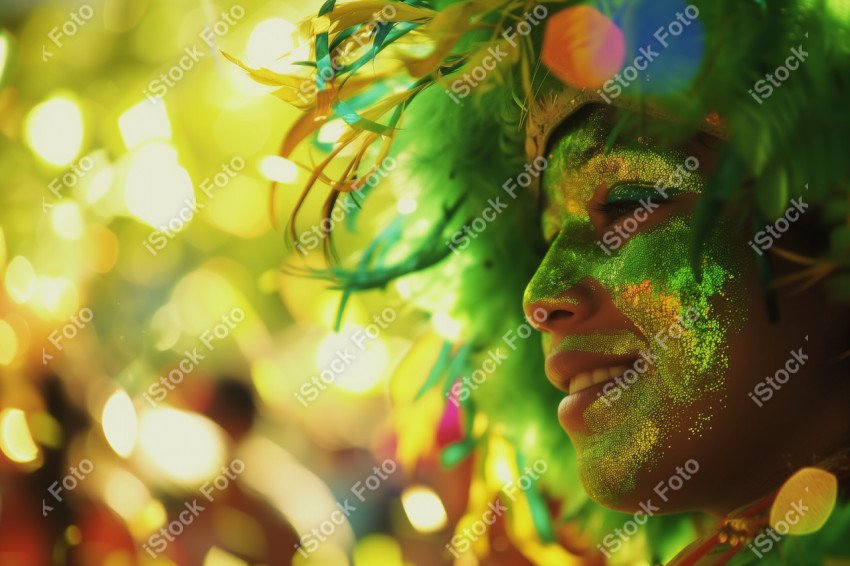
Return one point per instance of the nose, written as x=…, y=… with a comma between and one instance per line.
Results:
x=563, y=312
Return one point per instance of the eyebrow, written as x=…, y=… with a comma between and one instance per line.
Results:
x=592, y=116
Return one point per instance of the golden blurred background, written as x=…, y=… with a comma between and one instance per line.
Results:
x=160, y=366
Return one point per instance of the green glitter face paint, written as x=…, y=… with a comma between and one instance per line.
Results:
x=650, y=283
x=617, y=343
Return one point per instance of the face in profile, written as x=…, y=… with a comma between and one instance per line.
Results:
x=661, y=368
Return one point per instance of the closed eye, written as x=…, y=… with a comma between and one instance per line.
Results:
x=614, y=210
x=624, y=198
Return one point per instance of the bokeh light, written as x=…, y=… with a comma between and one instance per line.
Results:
x=20, y=279
x=276, y=168
x=55, y=297
x=8, y=343
x=158, y=190
x=368, y=367
x=143, y=122
x=4, y=52
x=15, y=438
x=54, y=130
x=424, y=509
x=67, y=220
x=190, y=457
x=583, y=47
x=270, y=39
x=120, y=425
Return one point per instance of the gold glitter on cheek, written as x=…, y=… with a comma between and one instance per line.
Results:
x=687, y=324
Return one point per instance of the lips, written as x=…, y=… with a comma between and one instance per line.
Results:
x=585, y=375
x=573, y=372
x=587, y=379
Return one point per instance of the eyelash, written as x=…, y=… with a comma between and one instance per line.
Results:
x=614, y=210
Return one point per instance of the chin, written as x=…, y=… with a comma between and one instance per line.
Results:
x=639, y=497
x=608, y=479
x=627, y=472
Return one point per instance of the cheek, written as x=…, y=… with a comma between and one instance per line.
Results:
x=688, y=324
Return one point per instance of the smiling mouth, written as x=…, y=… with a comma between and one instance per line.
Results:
x=588, y=379
x=573, y=372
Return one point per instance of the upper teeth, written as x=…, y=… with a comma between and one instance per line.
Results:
x=589, y=378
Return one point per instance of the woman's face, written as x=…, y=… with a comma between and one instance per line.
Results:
x=659, y=367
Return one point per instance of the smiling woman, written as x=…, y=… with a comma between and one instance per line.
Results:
x=633, y=244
